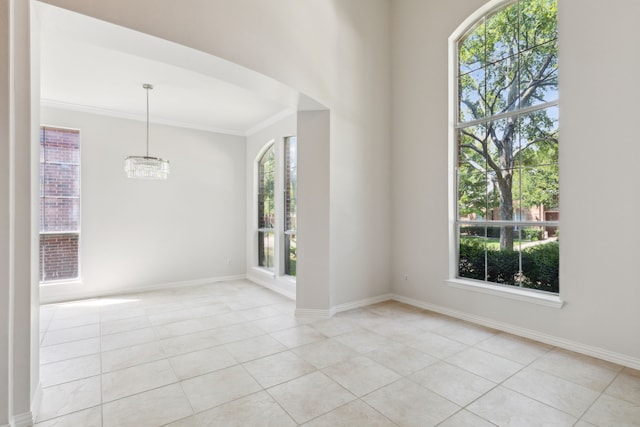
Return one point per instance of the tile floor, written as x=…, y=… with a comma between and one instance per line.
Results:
x=233, y=354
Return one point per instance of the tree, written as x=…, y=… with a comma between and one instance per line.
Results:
x=508, y=63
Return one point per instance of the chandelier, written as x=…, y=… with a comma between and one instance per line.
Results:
x=145, y=167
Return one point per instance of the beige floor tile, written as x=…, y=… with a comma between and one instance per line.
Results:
x=188, y=343
x=325, y=353
x=152, y=408
x=256, y=410
x=429, y=321
x=436, y=345
x=201, y=362
x=61, y=336
x=69, y=370
x=185, y=422
x=254, y=348
x=363, y=341
x=259, y=313
x=176, y=329
x=163, y=317
x=300, y=335
x=580, y=369
x=626, y=386
x=514, y=348
x=127, y=339
x=456, y=384
x=334, y=326
x=73, y=322
x=401, y=358
x=396, y=330
x=487, y=365
x=221, y=319
x=213, y=389
x=465, y=418
x=508, y=409
x=553, y=391
x=609, y=411
x=279, y=322
x=361, y=375
x=356, y=413
x=70, y=350
x=69, y=397
x=409, y=404
x=123, y=312
x=278, y=368
x=310, y=396
x=465, y=332
x=582, y=423
x=131, y=356
x=91, y=417
x=124, y=325
x=125, y=382
x=241, y=331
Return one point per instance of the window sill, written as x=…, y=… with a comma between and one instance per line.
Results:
x=62, y=282
x=518, y=294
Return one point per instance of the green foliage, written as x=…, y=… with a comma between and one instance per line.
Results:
x=540, y=265
x=508, y=62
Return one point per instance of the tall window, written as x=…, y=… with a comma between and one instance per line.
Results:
x=290, y=203
x=59, y=204
x=266, y=208
x=507, y=147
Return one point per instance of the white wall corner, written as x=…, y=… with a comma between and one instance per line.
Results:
x=600, y=353
x=35, y=402
x=310, y=312
x=362, y=303
x=22, y=420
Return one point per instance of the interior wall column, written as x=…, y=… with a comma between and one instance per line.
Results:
x=314, y=294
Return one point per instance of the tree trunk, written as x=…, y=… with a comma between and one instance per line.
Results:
x=506, y=210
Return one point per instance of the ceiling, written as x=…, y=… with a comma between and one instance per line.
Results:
x=95, y=66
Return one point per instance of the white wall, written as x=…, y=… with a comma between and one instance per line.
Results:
x=256, y=143
x=138, y=233
x=599, y=152
x=336, y=52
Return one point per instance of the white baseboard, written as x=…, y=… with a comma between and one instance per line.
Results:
x=311, y=312
x=51, y=294
x=289, y=292
x=35, y=402
x=600, y=353
x=22, y=420
x=362, y=303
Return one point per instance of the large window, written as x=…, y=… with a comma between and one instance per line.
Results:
x=277, y=183
x=59, y=204
x=290, y=203
x=266, y=208
x=506, y=135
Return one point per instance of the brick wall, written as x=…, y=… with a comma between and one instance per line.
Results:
x=59, y=203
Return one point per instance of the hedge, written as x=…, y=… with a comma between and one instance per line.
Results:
x=540, y=265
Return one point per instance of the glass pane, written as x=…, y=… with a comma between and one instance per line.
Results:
x=471, y=146
x=539, y=75
x=290, y=183
x=540, y=260
x=265, y=249
x=266, y=177
x=503, y=256
x=291, y=259
x=472, y=196
x=60, y=180
x=471, y=93
x=502, y=33
x=538, y=137
x=58, y=257
x=538, y=22
x=502, y=143
x=61, y=145
x=471, y=252
x=538, y=192
x=59, y=214
x=471, y=50
x=502, y=85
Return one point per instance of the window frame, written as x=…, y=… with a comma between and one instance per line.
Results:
x=78, y=232
x=549, y=299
